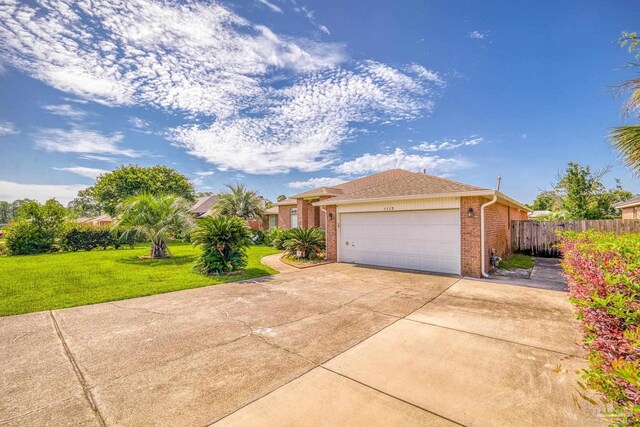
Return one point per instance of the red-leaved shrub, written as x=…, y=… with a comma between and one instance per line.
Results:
x=603, y=273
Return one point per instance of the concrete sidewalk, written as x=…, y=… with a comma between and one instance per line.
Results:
x=334, y=345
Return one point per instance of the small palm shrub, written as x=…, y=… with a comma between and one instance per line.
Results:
x=224, y=241
x=276, y=237
x=310, y=242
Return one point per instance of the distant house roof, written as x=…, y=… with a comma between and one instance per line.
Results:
x=634, y=201
x=271, y=211
x=203, y=205
x=287, y=202
x=538, y=214
x=99, y=218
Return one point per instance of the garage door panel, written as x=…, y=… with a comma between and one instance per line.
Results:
x=420, y=240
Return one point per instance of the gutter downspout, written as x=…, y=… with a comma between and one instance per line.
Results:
x=490, y=202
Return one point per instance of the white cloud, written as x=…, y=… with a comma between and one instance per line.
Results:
x=317, y=182
x=83, y=141
x=447, y=144
x=310, y=15
x=372, y=163
x=84, y=171
x=304, y=123
x=7, y=128
x=66, y=110
x=204, y=173
x=15, y=190
x=426, y=74
x=139, y=123
x=273, y=7
x=194, y=57
x=478, y=35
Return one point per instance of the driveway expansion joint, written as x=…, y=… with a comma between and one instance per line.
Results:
x=76, y=368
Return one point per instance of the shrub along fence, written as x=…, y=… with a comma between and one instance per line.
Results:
x=541, y=237
x=603, y=274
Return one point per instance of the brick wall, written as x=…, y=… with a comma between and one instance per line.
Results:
x=498, y=219
x=332, y=233
x=284, y=217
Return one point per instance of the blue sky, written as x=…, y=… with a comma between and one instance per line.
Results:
x=285, y=95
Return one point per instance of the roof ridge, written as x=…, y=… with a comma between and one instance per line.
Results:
x=384, y=182
x=339, y=186
x=451, y=180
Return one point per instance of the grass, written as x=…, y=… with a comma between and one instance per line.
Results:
x=52, y=281
x=517, y=261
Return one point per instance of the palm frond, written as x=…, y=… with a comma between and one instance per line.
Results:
x=626, y=140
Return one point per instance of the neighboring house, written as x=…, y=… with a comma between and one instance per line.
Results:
x=203, y=206
x=96, y=221
x=539, y=214
x=630, y=208
x=270, y=218
x=408, y=220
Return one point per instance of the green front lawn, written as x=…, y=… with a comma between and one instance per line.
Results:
x=517, y=261
x=46, y=282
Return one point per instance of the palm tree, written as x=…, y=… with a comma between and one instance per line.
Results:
x=154, y=217
x=310, y=242
x=240, y=202
x=626, y=139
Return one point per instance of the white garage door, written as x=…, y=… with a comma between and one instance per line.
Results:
x=417, y=240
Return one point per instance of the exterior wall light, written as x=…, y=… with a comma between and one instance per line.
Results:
x=330, y=216
x=470, y=212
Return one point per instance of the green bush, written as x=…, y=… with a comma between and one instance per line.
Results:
x=36, y=228
x=603, y=272
x=309, y=242
x=258, y=237
x=224, y=241
x=276, y=237
x=81, y=237
x=24, y=237
x=3, y=248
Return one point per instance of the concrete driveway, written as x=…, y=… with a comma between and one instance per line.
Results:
x=333, y=345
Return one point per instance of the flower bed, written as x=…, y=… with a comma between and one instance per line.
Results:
x=603, y=272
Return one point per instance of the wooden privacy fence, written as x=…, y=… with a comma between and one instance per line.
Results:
x=540, y=238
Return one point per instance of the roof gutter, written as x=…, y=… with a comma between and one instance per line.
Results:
x=483, y=253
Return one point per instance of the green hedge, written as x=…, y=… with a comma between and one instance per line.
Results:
x=603, y=272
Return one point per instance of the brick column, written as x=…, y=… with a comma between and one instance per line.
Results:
x=470, y=237
x=284, y=217
x=306, y=214
x=332, y=233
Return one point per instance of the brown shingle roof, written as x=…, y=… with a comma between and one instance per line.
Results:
x=631, y=202
x=271, y=211
x=319, y=192
x=408, y=184
x=203, y=205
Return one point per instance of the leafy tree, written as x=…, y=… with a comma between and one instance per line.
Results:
x=240, y=202
x=281, y=198
x=114, y=187
x=224, y=241
x=36, y=228
x=154, y=217
x=545, y=201
x=85, y=204
x=584, y=196
x=626, y=139
x=5, y=212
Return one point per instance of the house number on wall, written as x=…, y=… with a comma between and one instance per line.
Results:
x=388, y=208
